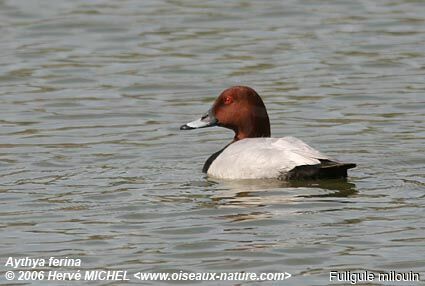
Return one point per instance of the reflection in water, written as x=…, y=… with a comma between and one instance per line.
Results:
x=339, y=188
x=242, y=188
x=262, y=194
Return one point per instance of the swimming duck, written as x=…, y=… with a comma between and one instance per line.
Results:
x=253, y=154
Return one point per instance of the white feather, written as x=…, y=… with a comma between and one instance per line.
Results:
x=261, y=158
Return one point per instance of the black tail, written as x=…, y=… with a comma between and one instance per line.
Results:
x=330, y=169
x=325, y=170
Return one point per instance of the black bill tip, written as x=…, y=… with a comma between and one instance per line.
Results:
x=186, y=127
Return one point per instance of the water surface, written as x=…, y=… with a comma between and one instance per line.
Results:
x=92, y=164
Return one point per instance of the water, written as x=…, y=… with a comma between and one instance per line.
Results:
x=93, y=164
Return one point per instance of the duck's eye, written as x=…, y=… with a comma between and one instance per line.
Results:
x=228, y=100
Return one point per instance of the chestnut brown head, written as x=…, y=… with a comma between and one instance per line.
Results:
x=239, y=108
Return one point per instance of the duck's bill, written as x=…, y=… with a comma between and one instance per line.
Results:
x=207, y=120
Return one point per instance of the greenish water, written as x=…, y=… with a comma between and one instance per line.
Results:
x=92, y=164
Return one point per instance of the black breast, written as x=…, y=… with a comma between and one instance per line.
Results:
x=211, y=159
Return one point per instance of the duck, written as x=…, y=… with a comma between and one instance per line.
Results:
x=253, y=153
